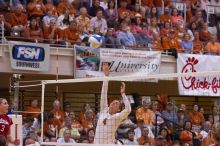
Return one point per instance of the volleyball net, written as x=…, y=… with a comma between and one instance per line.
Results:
x=189, y=84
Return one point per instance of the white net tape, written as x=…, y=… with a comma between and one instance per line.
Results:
x=77, y=144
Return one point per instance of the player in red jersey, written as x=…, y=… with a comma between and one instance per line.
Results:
x=6, y=122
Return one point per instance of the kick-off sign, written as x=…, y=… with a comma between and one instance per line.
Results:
x=204, y=86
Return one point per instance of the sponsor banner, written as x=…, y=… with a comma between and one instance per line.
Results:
x=29, y=56
x=204, y=86
x=131, y=62
x=86, y=62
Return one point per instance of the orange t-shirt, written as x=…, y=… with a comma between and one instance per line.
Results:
x=38, y=9
x=204, y=36
x=143, y=139
x=148, y=3
x=17, y=19
x=186, y=137
x=58, y=33
x=164, y=18
x=167, y=43
x=33, y=109
x=197, y=46
x=213, y=47
x=63, y=5
x=196, y=118
x=145, y=114
x=71, y=35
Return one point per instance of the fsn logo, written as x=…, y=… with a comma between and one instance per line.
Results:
x=28, y=53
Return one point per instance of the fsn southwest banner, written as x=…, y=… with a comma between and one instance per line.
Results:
x=29, y=56
x=202, y=86
x=121, y=62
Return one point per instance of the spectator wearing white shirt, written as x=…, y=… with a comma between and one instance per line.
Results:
x=67, y=137
x=98, y=22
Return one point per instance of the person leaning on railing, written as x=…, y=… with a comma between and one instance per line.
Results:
x=212, y=47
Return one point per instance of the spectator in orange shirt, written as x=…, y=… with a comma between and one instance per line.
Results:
x=50, y=6
x=18, y=21
x=196, y=118
x=171, y=42
x=204, y=34
x=144, y=137
x=156, y=42
x=33, y=108
x=212, y=47
x=123, y=11
x=146, y=5
x=87, y=122
x=198, y=45
x=53, y=33
x=36, y=7
x=51, y=126
x=64, y=4
x=82, y=112
x=57, y=112
x=165, y=31
x=71, y=33
x=34, y=31
x=166, y=16
x=186, y=136
x=137, y=12
x=145, y=113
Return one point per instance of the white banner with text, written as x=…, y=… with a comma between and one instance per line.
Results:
x=29, y=56
x=202, y=86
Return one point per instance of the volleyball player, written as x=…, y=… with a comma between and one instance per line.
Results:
x=110, y=117
x=6, y=122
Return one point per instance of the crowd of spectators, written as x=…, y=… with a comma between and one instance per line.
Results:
x=133, y=24
x=154, y=123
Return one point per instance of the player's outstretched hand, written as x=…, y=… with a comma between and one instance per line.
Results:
x=122, y=87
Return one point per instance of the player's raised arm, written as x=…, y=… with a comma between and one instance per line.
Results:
x=104, y=92
x=124, y=114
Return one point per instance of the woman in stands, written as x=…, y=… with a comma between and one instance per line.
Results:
x=216, y=134
x=6, y=122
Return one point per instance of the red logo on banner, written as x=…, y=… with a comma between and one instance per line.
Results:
x=194, y=83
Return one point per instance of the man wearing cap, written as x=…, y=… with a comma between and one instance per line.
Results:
x=169, y=114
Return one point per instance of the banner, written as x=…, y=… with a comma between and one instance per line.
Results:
x=131, y=62
x=86, y=62
x=29, y=56
x=204, y=86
